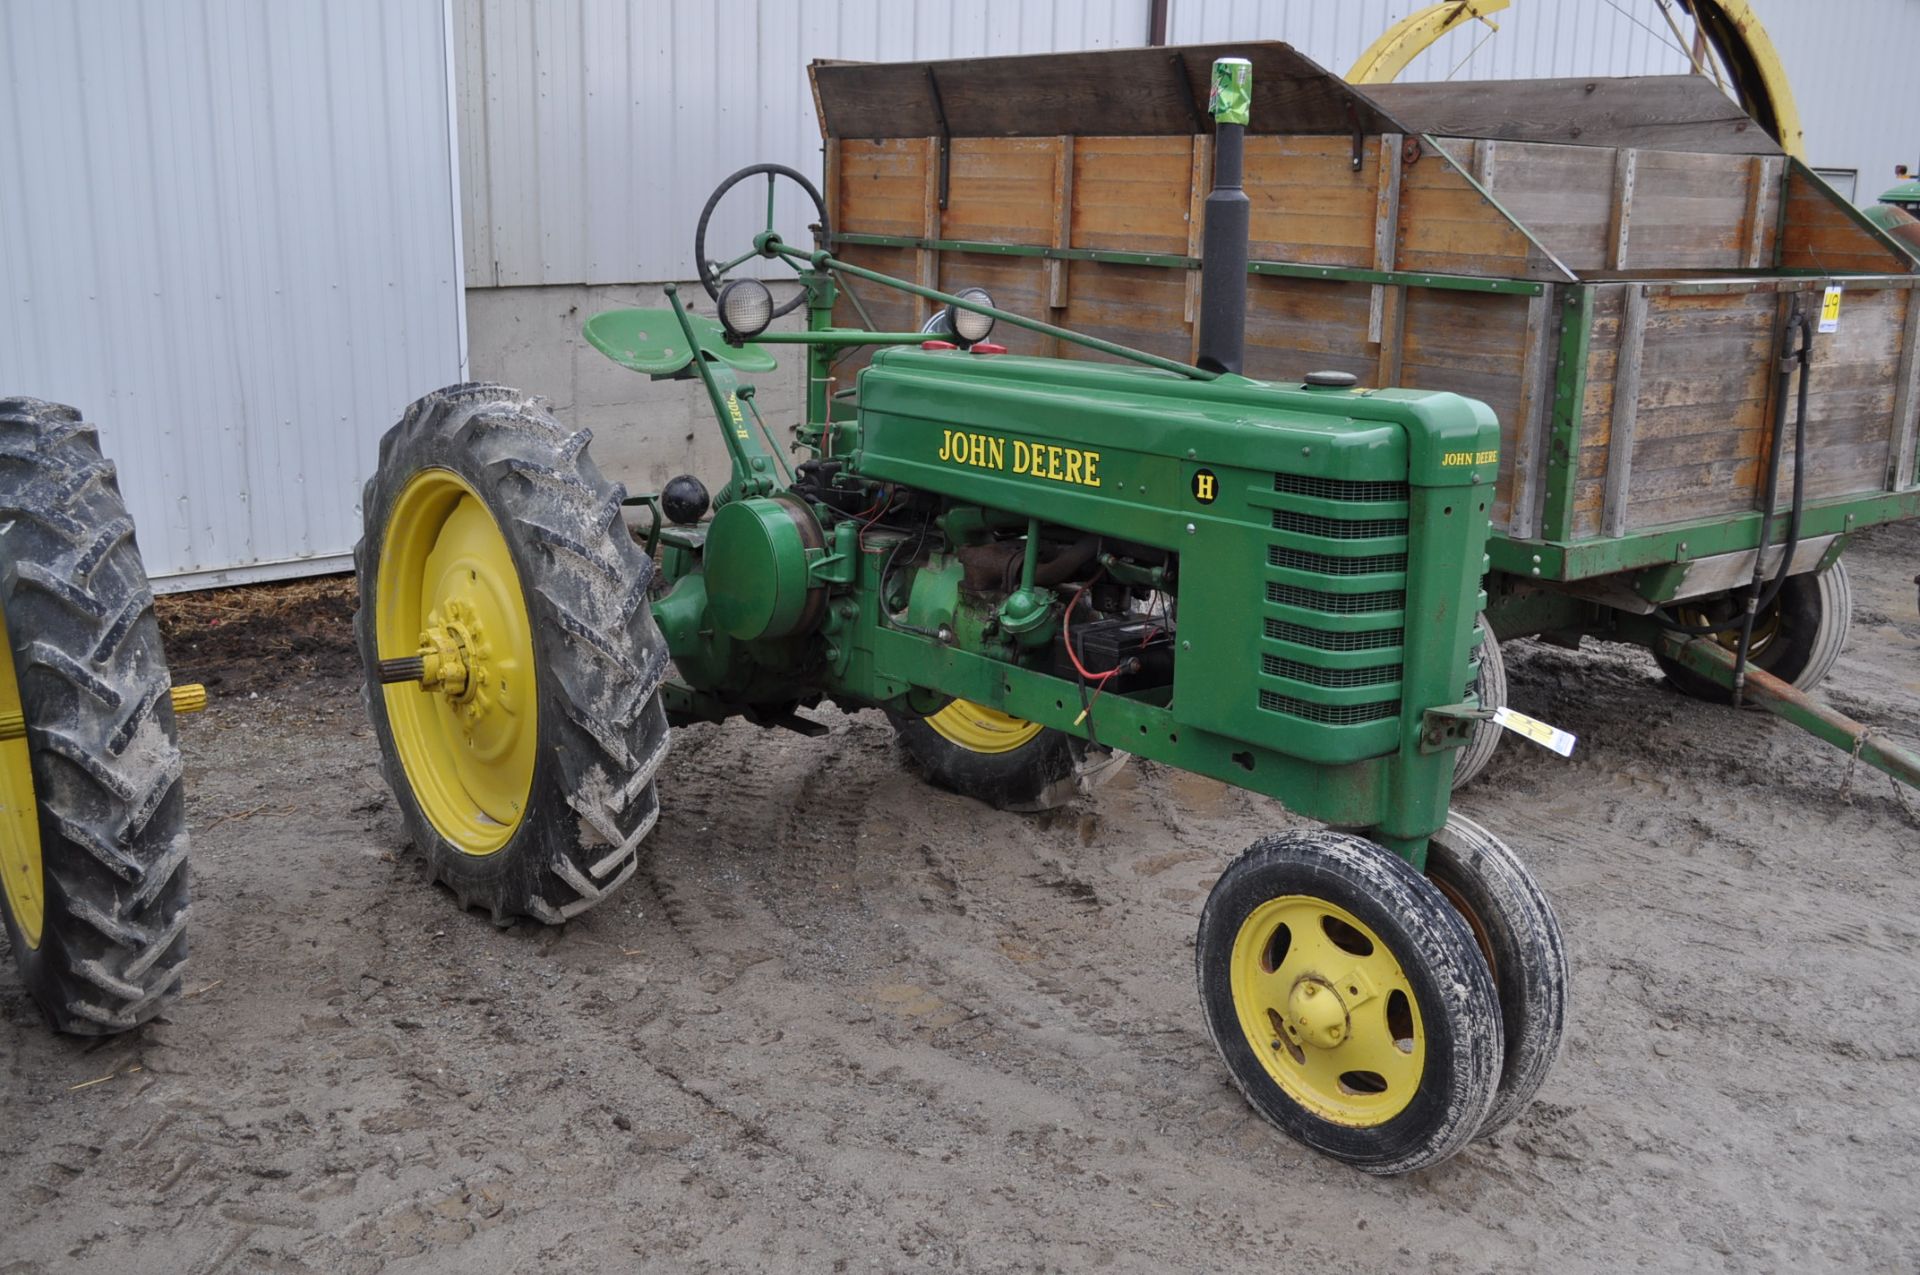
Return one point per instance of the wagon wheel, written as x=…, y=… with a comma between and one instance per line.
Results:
x=713, y=272
x=93, y=832
x=513, y=663
x=1009, y=763
x=1349, y=1001
x=1798, y=638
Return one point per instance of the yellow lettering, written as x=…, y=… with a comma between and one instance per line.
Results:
x=1486, y=458
x=997, y=448
x=946, y=444
x=1053, y=462
x=1073, y=466
x=1093, y=462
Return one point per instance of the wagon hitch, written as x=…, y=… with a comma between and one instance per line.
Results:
x=188, y=697
x=1715, y=662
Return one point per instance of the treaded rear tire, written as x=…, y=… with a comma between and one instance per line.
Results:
x=106, y=761
x=1051, y=770
x=599, y=657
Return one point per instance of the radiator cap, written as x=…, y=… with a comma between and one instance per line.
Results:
x=1332, y=380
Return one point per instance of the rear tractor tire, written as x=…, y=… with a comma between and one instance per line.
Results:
x=1349, y=1001
x=497, y=575
x=980, y=752
x=93, y=830
x=1798, y=639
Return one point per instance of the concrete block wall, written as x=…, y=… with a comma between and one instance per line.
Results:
x=644, y=431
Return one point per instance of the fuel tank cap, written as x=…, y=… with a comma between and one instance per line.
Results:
x=1333, y=380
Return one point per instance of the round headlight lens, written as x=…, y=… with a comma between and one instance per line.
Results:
x=966, y=324
x=746, y=307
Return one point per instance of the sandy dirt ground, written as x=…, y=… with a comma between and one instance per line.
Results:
x=844, y=1022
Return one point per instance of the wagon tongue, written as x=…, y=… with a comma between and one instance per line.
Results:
x=1223, y=268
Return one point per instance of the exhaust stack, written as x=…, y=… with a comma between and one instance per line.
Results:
x=1223, y=260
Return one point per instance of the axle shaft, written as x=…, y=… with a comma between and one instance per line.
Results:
x=407, y=668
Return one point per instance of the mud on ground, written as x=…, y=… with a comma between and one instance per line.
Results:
x=842, y=1022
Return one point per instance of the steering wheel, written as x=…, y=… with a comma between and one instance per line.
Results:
x=711, y=271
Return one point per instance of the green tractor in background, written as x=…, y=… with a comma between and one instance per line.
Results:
x=93, y=830
x=1033, y=566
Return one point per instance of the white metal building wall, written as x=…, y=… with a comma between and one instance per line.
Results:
x=228, y=235
x=1849, y=61
x=592, y=130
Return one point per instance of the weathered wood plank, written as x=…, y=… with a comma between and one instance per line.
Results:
x=1062, y=213
x=1386, y=225
x=1517, y=487
x=1199, y=182
x=1819, y=235
x=1131, y=193
x=1000, y=189
x=1620, y=219
x=1670, y=112
x=1906, y=404
x=1626, y=402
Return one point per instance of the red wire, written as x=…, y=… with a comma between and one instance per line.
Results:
x=1066, y=636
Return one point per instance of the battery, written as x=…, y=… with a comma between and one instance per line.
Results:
x=1141, y=647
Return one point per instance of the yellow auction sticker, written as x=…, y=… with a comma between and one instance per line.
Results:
x=1830, y=309
x=1539, y=732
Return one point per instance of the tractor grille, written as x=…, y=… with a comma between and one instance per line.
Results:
x=1301, y=560
x=1336, y=597
x=1338, y=488
x=1301, y=635
x=1330, y=714
x=1378, y=674
x=1337, y=528
x=1337, y=603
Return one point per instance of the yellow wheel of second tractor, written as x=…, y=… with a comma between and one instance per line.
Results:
x=1349, y=1001
x=1008, y=762
x=513, y=663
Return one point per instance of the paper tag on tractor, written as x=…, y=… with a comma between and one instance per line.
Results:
x=1830, y=310
x=1536, y=730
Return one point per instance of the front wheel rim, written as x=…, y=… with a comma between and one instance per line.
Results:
x=1328, y=1010
x=447, y=583
x=21, y=873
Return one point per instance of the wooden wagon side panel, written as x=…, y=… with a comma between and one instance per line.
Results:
x=1594, y=441
x=1475, y=344
x=1853, y=395
x=1308, y=202
x=1448, y=226
x=1296, y=326
x=1821, y=234
x=1131, y=194
x=1700, y=407
x=1140, y=306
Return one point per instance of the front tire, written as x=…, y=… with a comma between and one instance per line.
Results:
x=1348, y=1001
x=1519, y=937
x=93, y=835
x=978, y=751
x=1798, y=639
x=528, y=783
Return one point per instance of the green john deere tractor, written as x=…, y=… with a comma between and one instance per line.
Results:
x=93, y=835
x=1034, y=566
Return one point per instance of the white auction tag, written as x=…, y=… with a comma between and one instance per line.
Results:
x=1538, y=731
x=1830, y=310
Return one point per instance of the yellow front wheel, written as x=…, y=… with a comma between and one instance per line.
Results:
x=1349, y=1001
x=513, y=663
x=1008, y=762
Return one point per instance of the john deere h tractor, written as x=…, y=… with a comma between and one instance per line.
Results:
x=1031, y=565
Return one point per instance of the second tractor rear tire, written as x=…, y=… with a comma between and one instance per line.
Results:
x=1008, y=763
x=529, y=790
x=95, y=826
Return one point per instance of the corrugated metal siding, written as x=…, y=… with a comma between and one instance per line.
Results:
x=592, y=130
x=1850, y=65
x=229, y=238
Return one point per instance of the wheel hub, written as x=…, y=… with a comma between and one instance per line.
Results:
x=1316, y=1015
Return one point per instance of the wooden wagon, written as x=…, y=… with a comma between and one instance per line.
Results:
x=1611, y=264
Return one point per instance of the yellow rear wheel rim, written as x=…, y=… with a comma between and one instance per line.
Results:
x=1767, y=627
x=20, y=870
x=981, y=729
x=1328, y=1010
x=446, y=573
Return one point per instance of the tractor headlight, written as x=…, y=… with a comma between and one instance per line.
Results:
x=965, y=324
x=746, y=307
